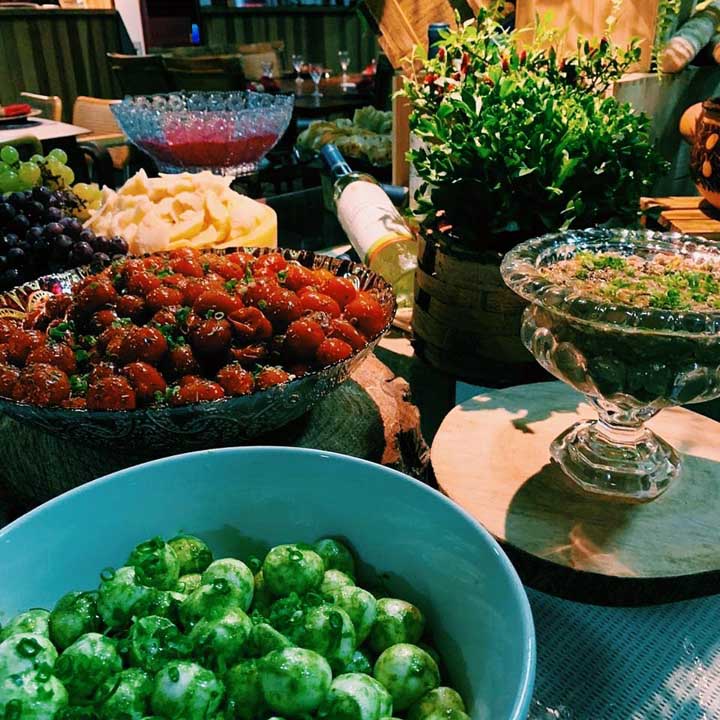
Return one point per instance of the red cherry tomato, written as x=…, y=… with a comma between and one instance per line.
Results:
x=145, y=380
x=346, y=331
x=130, y=306
x=9, y=375
x=103, y=319
x=250, y=355
x=216, y=301
x=198, y=391
x=186, y=252
x=100, y=370
x=332, y=350
x=210, y=337
x=311, y=300
x=249, y=324
x=194, y=288
x=240, y=258
x=57, y=354
x=163, y=296
x=366, y=313
x=302, y=339
x=270, y=376
x=94, y=296
x=180, y=361
x=321, y=276
x=142, y=343
x=228, y=269
x=42, y=385
x=21, y=342
x=259, y=291
x=235, y=380
x=111, y=393
x=269, y=265
x=281, y=308
x=341, y=290
x=55, y=307
x=166, y=316
x=153, y=263
x=141, y=283
x=189, y=266
x=297, y=276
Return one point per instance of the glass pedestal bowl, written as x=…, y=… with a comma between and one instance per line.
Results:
x=226, y=132
x=630, y=361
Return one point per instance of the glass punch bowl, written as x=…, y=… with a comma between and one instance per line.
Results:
x=226, y=132
x=631, y=362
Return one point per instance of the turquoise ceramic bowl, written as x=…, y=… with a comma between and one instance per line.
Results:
x=243, y=500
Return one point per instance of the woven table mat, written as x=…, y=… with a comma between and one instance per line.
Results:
x=601, y=663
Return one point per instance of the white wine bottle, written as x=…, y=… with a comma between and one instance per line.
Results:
x=374, y=226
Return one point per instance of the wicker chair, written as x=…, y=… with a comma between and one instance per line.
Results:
x=105, y=137
x=49, y=105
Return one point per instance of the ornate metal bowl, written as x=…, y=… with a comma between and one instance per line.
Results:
x=200, y=425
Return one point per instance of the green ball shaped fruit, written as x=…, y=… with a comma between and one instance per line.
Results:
x=408, y=672
x=35, y=622
x=86, y=665
x=397, y=621
x=288, y=568
x=192, y=553
x=186, y=691
x=294, y=680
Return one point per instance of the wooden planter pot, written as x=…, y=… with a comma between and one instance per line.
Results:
x=466, y=322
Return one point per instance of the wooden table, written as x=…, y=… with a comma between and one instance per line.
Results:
x=689, y=215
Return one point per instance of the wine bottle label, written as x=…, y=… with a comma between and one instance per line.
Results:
x=369, y=218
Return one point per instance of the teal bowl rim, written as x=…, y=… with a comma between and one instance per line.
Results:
x=522, y=702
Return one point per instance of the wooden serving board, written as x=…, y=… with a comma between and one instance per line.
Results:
x=491, y=455
x=688, y=215
x=369, y=416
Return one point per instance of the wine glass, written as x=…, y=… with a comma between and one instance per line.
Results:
x=297, y=62
x=316, y=73
x=344, y=58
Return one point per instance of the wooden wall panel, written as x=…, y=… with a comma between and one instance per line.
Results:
x=315, y=32
x=58, y=52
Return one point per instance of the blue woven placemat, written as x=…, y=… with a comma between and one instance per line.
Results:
x=600, y=663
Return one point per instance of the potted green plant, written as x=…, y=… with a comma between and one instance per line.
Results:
x=511, y=142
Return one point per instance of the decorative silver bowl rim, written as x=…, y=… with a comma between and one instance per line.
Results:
x=386, y=298
x=520, y=271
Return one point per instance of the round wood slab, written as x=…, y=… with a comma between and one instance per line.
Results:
x=491, y=456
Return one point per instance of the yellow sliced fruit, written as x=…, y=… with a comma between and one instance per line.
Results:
x=188, y=228
x=207, y=238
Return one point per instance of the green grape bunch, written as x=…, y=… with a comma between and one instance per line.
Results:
x=51, y=171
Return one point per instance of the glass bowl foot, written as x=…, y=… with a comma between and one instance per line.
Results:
x=636, y=467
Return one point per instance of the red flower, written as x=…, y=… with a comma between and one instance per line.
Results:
x=465, y=64
x=441, y=54
x=523, y=57
x=505, y=64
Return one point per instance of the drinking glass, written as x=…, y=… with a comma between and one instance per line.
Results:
x=344, y=58
x=316, y=73
x=297, y=62
x=267, y=68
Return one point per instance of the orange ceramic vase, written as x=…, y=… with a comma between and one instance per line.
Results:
x=705, y=154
